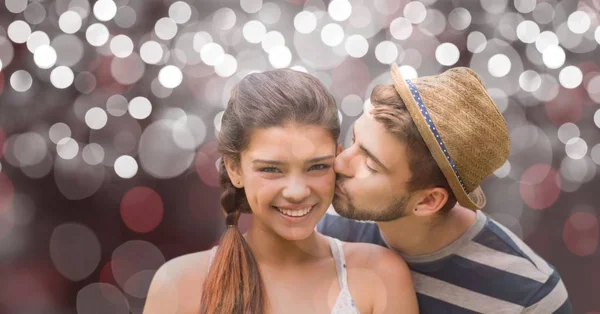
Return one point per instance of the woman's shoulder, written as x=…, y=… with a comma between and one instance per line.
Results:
x=178, y=284
x=380, y=278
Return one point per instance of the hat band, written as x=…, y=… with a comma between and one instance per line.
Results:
x=425, y=114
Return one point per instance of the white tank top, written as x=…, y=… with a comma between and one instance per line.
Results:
x=344, y=303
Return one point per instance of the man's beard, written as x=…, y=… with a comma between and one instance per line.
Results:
x=391, y=211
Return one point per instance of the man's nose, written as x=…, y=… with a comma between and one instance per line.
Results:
x=343, y=163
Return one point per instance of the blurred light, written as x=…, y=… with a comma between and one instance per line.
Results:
x=361, y=17
x=45, y=56
x=386, y=52
x=339, y=10
x=212, y=53
x=387, y=7
x=16, y=6
x=548, y=89
x=69, y=22
x=576, y=148
x=415, y=12
x=29, y=149
x=21, y=81
x=352, y=105
x=217, y=120
x=224, y=18
x=408, y=72
x=280, y=57
x=272, y=39
x=332, y=34
x=251, y=6
x=577, y=170
x=96, y=118
x=121, y=46
x=570, y=77
x=141, y=209
x=81, y=7
x=105, y=10
x=597, y=118
x=254, y=31
x=125, y=17
x=499, y=97
x=201, y=39
x=543, y=13
x=499, y=65
x=530, y=81
x=35, y=13
x=579, y=22
x=62, y=77
x=554, y=57
x=447, y=54
x=494, y=7
x=67, y=148
x=165, y=28
x=546, y=40
x=525, y=6
x=305, y=22
x=159, y=155
x=93, y=154
x=227, y=67
x=69, y=49
x=581, y=233
x=18, y=31
x=101, y=298
x=528, y=31
x=170, y=76
x=159, y=90
x=37, y=39
x=476, y=42
x=58, y=131
x=459, y=18
x=269, y=13
x=140, y=107
x=117, y=105
x=593, y=89
x=126, y=167
x=595, y=154
x=503, y=171
x=401, y=28
x=127, y=70
x=434, y=23
x=356, y=46
x=568, y=131
x=597, y=35
x=540, y=186
x=97, y=34
x=180, y=12
x=74, y=250
x=299, y=68
x=151, y=52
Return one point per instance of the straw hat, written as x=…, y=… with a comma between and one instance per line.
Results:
x=461, y=125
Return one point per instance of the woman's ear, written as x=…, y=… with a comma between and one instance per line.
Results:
x=234, y=172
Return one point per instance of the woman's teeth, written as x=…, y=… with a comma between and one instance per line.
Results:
x=296, y=212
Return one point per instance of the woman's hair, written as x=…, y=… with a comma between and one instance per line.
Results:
x=260, y=100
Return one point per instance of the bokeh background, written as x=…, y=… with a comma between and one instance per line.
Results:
x=109, y=110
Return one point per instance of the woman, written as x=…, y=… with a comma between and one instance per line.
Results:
x=278, y=143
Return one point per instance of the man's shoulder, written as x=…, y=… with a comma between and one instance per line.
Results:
x=495, y=270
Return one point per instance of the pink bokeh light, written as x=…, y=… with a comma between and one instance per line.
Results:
x=540, y=186
x=142, y=209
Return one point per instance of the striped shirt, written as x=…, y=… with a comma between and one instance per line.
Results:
x=487, y=270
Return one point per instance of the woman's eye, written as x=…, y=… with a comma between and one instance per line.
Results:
x=320, y=167
x=270, y=170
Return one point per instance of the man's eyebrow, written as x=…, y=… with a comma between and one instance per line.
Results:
x=370, y=154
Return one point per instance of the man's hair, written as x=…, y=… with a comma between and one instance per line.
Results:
x=389, y=110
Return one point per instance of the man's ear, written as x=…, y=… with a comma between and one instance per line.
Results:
x=234, y=172
x=340, y=148
x=432, y=200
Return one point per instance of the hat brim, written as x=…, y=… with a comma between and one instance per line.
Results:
x=474, y=200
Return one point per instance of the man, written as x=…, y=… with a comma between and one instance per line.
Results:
x=415, y=166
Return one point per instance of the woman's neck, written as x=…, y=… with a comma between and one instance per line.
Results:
x=269, y=247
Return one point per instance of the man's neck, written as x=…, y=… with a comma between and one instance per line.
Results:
x=414, y=236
